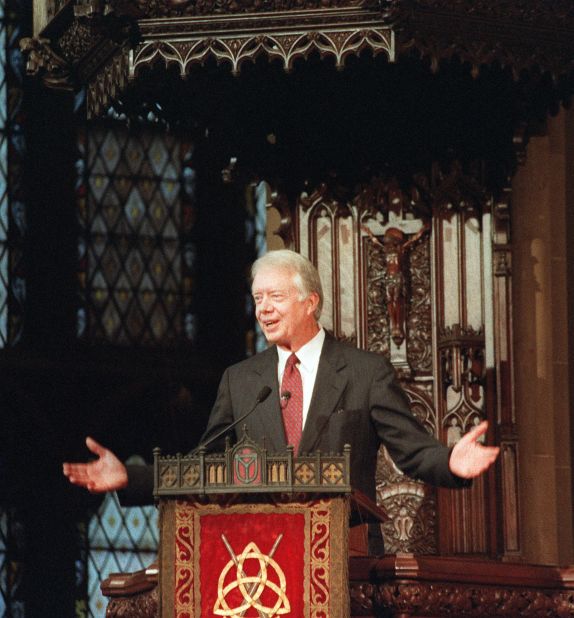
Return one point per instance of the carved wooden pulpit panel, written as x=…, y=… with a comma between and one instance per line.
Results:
x=407, y=272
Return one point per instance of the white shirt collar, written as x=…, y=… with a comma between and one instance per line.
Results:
x=308, y=354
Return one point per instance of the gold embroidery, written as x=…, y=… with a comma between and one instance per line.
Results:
x=252, y=587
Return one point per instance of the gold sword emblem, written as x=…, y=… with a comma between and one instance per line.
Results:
x=252, y=587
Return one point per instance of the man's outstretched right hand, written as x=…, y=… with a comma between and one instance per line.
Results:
x=106, y=473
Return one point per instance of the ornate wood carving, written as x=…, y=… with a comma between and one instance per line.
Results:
x=361, y=594
x=536, y=34
x=395, y=245
x=398, y=295
x=236, y=49
x=378, y=332
x=324, y=199
x=521, y=36
x=380, y=210
x=411, y=505
x=179, y=8
x=388, y=199
x=144, y=605
x=463, y=370
x=419, y=319
x=429, y=586
x=455, y=189
x=412, y=508
x=45, y=62
x=545, y=12
x=420, y=396
x=398, y=271
x=407, y=585
x=77, y=40
x=463, y=285
x=503, y=380
x=132, y=594
x=429, y=600
x=107, y=84
x=80, y=44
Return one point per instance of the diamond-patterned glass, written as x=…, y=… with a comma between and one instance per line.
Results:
x=133, y=208
x=10, y=568
x=119, y=540
x=12, y=220
x=3, y=289
x=4, y=281
x=12, y=283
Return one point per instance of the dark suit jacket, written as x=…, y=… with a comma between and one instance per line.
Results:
x=356, y=401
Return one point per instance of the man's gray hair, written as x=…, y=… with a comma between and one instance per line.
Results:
x=306, y=277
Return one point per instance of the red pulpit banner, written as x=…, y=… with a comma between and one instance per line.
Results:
x=255, y=559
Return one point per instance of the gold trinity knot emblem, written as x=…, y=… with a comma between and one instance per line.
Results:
x=252, y=587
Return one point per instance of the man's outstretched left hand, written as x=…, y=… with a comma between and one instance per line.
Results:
x=469, y=458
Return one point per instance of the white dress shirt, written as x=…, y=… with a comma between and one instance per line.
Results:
x=308, y=356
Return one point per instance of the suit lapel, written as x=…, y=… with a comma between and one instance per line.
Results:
x=269, y=412
x=329, y=387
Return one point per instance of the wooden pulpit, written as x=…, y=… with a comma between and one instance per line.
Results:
x=247, y=533
x=253, y=534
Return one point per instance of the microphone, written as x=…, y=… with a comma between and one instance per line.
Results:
x=261, y=397
x=284, y=399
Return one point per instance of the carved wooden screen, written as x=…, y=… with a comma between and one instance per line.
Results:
x=407, y=272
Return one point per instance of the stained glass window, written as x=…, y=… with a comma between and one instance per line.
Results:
x=135, y=195
x=11, y=606
x=3, y=187
x=121, y=540
x=12, y=224
x=262, y=198
x=12, y=220
x=136, y=259
x=257, y=196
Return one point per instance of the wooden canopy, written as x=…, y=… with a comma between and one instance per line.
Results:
x=105, y=44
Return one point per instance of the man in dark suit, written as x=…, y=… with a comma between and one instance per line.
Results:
x=324, y=394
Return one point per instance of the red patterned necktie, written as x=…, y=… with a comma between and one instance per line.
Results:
x=292, y=402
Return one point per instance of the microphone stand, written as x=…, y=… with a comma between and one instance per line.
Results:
x=261, y=397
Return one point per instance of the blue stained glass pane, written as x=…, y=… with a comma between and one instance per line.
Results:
x=19, y=215
x=11, y=69
x=120, y=540
x=3, y=216
x=134, y=209
x=103, y=528
x=3, y=164
x=3, y=529
x=140, y=529
x=18, y=142
x=3, y=280
x=261, y=200
x=3, y=98
x=4, y=262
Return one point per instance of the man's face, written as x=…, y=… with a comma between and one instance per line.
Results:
x=284, y=319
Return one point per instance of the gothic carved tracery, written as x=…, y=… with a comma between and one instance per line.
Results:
x=534, y=36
